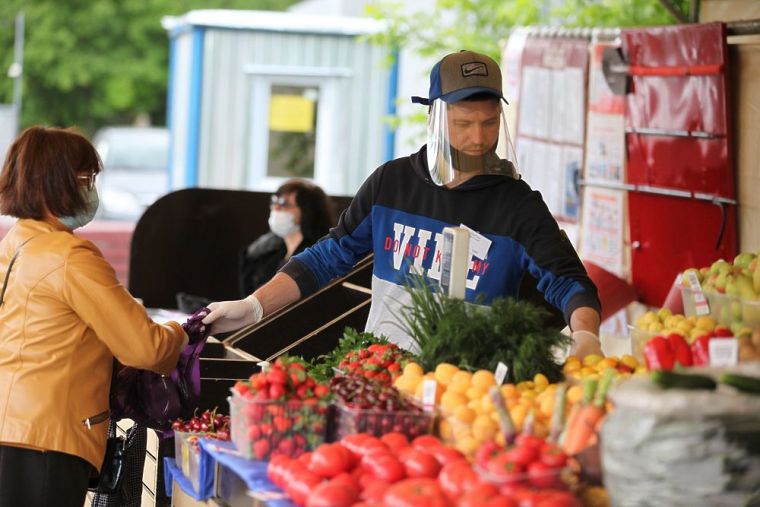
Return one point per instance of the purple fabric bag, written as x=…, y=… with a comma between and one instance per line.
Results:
x=154, y=400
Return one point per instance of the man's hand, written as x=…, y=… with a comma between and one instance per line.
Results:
x=585, y=343
x=233, y=315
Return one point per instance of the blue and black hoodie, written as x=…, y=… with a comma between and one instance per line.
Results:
x=399, y=214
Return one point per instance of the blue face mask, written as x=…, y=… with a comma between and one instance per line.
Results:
x=84, y=217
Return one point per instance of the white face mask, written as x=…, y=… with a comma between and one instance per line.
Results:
x=84, y=217
x=281, y=223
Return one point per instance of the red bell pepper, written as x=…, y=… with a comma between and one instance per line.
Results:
x=658, y=355
x=681, y=350
x=700, y=351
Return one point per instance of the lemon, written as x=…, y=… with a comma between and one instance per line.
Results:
x=467, y=445
x=629, y=361
x=484, y=428
x=464, y=414
x=540, y=380
x=444, y=372
x=575, y=394
x=591, y=359
x=475, y=393
x=445, y=430
x=413, y=369
x=705, y=323
x=483, y=379
x=460, y=382
x=451, y=400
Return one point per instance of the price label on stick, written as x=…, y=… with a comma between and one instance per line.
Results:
x=701, y=306
x=724, y=352
x=428, y=394
x=501, y=373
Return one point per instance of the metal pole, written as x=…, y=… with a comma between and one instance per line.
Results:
x=17, y=69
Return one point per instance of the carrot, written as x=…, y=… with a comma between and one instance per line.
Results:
x=583, y=430
x=589, y=388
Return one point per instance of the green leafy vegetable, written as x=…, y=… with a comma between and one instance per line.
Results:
x=473, y=336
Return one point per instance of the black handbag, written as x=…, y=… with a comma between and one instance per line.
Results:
x=112, y=471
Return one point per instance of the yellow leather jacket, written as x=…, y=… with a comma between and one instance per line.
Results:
x=63, y=319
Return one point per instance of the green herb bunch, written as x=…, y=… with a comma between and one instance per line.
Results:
x=474, y=336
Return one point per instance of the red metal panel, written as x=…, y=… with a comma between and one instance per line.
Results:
x=674, y=233
x=671, y=235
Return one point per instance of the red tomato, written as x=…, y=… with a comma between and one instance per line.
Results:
x=445, y=454
x=426, y=442
x=542, y=475
x=328, y=460
x=385, y=467
x=420, y=492
x=486, y=452
x=501, y=501
x=395, y=440
x=332, y=494
x=478, y=495
x=347, y=479
x=419, y=463
x=301, y=484
x=556, y=499
x=505, y=470
x=374, y=490
x=523, y=455
x=526, y=439
x=553, y=456
x=454, y=476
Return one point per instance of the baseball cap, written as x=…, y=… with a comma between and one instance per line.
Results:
x=461, y=75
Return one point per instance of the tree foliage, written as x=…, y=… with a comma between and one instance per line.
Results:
x=483, y=25
x=95, y=62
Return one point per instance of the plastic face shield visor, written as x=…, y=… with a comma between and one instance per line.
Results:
x=468, y=138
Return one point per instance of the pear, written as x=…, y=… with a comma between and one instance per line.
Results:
x=720, y=266
x=744, y=287
x=756, y=280
x=721, y=281
x=743, y=259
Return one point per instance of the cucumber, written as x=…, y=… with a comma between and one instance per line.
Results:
x=672, y=380
x=743, y=383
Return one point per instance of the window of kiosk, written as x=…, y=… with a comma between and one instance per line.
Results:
x=288, y=130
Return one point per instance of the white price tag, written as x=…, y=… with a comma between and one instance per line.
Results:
x=428, y=393
x=479, y=244
x=701, y=306
x=724, y=352
x=501, y=373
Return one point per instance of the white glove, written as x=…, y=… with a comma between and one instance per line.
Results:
x=233, y=315
x=584, y=343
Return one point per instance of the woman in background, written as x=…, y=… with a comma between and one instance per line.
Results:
x=64, y=316
x=300, y=214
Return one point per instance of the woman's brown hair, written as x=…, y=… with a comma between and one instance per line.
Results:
x=41, y=170
x=317, y=210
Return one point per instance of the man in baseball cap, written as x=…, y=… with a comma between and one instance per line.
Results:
x=465, y=175
x=466, y=124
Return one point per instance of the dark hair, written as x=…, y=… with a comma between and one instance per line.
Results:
x=317, y=210
x=40, y=173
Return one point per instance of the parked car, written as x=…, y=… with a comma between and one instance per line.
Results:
x=135, y=161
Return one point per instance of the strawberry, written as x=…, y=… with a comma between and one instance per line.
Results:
x=261, y=448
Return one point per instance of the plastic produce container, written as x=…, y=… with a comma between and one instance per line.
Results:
x=639, y=339
x=725, y=310
x=187, y=455
x=262, y=428
x=411, y=423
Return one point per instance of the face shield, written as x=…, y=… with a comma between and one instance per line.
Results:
x=468, y=138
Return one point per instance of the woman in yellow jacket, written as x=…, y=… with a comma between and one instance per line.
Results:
x=64, y=316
